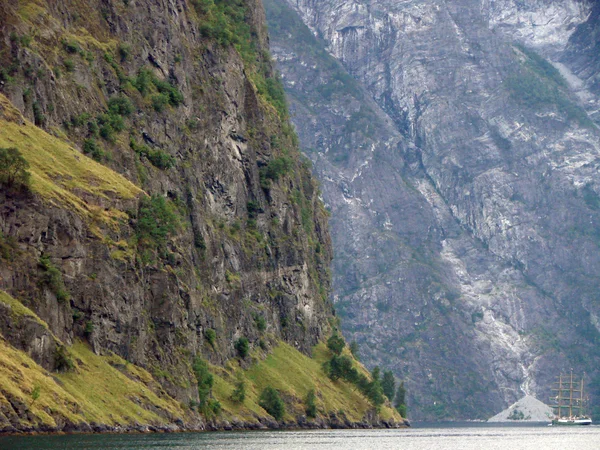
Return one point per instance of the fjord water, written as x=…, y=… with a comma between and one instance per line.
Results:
x=439, y=438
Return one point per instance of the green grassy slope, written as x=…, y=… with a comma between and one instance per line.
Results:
x=101, y=389
x=109, y=390
x=294, y=374
x=60, y=174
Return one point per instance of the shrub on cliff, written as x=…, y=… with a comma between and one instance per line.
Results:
x=120, y=105
x=91, y=147
x=175, y=97
x=239, y=393
x=53, y=279
x=242, y=346
x=310, y=402
x=260, y=321
x=336, y=344
x=110, y=123
x=211, y=337
x=157, y=157
x=272, y=90
x=271, y=402
x=277, y=167
x=63, y=361
x=143, y=81
x=157, y=220
x=168, y=93
x=8, y=247
x=207, y=405
x=14, y=169
x=71, y=46
x=160, y=102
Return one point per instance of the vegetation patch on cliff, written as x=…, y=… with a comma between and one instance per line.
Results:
x=294, y=376
x=94, y=392
x=227, y=23
x=62, y=175
x=101, y=389
x=537, y=84
x=112, y=390
x=18, y=309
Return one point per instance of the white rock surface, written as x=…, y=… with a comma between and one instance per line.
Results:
x=533, y=411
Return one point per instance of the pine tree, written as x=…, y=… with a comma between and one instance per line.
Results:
x=376, y=373
x=311, y=405
x=389, y=384
x=400, y=402
x=336, y=344
x=271, y=402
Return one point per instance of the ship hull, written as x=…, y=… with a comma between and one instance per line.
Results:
x=572, y=422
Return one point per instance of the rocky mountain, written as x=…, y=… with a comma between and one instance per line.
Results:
x=168, y=246
x=457, y=144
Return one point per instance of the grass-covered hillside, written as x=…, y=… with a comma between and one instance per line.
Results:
x=98, y=392
x=164, y=252
x=60, y=174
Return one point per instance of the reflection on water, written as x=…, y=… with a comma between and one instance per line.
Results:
x=446, y=438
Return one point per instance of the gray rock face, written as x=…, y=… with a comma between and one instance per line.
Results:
x=528, y=409
x=581, y=56
x=243, y=247
x=461, y=170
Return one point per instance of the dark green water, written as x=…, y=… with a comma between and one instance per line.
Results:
x=471, y=438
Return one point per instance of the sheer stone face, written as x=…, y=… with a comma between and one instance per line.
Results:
x=461, y=170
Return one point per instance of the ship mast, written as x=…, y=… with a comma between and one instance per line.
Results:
x=576, y=400
x=582, y=404
x=560, y=396
x=571, y=396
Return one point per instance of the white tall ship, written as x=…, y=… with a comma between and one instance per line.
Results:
x=569, y=402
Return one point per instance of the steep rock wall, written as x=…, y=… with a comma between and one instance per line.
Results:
x=219, y=227
x=503, y=182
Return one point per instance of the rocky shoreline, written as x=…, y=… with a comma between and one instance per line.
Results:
x=180, y=426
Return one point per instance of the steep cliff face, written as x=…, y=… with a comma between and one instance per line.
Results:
x=469, y=237
x=581, y=57
x=197, y=224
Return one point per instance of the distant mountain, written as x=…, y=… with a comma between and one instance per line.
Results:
x=458, y=150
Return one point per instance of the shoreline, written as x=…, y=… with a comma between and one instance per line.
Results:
x=263, y=424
